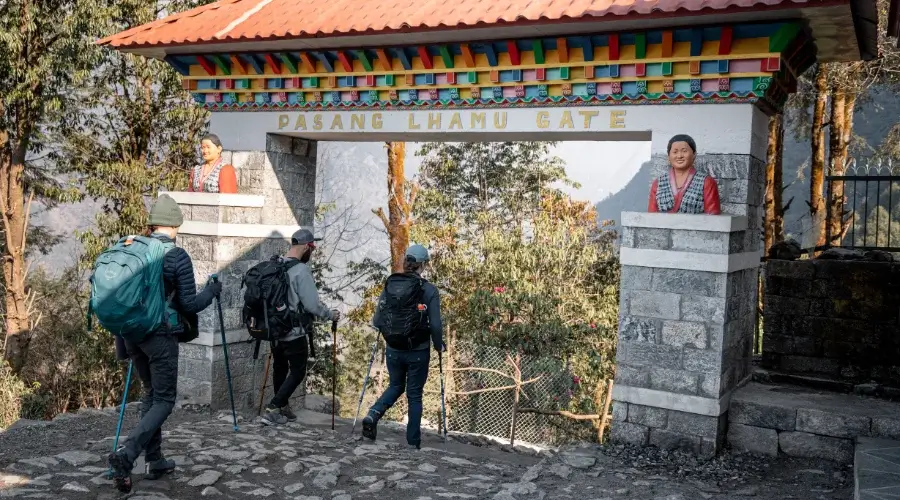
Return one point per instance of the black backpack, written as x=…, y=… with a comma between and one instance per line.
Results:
x=403, y=315
x=267, y=312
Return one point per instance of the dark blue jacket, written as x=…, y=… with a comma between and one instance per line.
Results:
x=178, y=278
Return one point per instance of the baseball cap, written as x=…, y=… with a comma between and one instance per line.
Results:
x=304, y=237
x=417, y=254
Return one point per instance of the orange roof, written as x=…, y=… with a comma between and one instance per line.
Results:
x=258, y=20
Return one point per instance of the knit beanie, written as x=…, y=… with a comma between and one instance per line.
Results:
x=165, y=212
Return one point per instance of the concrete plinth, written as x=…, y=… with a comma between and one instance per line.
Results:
x=227, y=234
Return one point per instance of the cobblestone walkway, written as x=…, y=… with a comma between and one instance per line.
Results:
x=307, y=461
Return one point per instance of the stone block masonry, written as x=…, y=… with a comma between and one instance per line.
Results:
x=836, y=319
x=686, y=321
x=227, y=234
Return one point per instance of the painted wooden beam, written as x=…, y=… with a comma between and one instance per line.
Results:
x=513, y=49
x=780, y=40
x=238, y=65
x=255, y=63
x=207, y=66
x=364, y=59
x=326, y=62
x=425, y=57
x=725, y=40
x=587, y=48
x=308, y=61
x=404, y=59
x=446, y=56
x=468, y=56
x=491, y=54
x=182, y=68
x=696, y=42
x=614, y=47
x=290, y=62
x=537, y=46
x=668, y=42
x=344, y=59
x=562, y=50
x=384, y=58
x=273, y=63
x=640, y=45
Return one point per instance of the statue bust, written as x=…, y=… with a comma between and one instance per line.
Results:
x=681, y=188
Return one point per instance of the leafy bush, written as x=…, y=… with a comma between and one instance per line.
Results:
x=12, y=392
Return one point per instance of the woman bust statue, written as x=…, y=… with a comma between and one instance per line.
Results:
x=681, y=189
x=212, y=176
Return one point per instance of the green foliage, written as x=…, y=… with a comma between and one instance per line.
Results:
x=12, y=392
x=136, y=132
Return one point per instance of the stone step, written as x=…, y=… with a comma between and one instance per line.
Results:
x=804, y=422
x=876, y=469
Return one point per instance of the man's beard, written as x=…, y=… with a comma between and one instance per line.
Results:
x=306, y=255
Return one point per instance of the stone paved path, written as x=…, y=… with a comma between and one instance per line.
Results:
x=307, y=461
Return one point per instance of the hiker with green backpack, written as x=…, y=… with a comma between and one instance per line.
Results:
x=143, y=291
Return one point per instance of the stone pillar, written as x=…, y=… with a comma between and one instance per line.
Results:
x=689, y=293
x=226, y=234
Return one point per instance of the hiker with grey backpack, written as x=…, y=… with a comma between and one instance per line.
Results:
x=280, y=303
x=143, y=291
x=408, y=316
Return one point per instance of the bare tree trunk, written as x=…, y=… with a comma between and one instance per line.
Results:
x=400, y=203
x=14, y=208
x=774, y=230
x=842, y=104
x=817, y=163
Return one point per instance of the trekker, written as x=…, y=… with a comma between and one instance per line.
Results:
x=155, y=357
x=408, y=313
x=289, y=353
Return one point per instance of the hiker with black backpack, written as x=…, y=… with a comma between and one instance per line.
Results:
x=408, y=316
x=280, y=303
x=143, y=291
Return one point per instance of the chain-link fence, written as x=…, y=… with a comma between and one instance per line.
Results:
x=481, y=395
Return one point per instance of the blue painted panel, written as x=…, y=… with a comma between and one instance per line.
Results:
x=600, y=40
x=654, y=69
x=294, y=98
x=613, y=70
x=531, y=91
x=229, y=98
x=629, y=88
x=682, y=86
x=506, y=76
x=462, y=78
x=707, y=67
x=549, y=44
x=207, y=85
x=554, y=73
x=601, y=71
x=742, y=84
x=723, y=66
x=346, y=81
x=579, y=89
x=419, y=79
x=274, y=83
x=429, y=78
x=261, y=97
x=444, y=94
x=487, y=93
x=307, y=83
x=380, y=81
x=626, y=39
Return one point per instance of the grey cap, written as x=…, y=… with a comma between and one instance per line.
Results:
x=417, y=254
x=304, y=237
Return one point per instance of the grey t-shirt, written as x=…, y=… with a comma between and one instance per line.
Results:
x=303, y=290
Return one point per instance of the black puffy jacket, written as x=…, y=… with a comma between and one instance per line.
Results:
x=178, y=277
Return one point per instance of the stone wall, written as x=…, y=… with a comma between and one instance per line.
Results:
x=687, y=315
x=834, y=318
x=227, y=235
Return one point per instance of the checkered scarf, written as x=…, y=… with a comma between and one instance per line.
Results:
x=691, y=202
x=211, y=184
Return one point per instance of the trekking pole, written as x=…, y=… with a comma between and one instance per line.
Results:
x=365, y=383
x=443, y=403
x=122, y=411
x=225, y=348
x=262, y=390
x=333, y=370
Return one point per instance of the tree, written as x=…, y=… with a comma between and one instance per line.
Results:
x=137, y=131
x=774, y=227
x=817, y=163
x=45, y=52
x=401, y=199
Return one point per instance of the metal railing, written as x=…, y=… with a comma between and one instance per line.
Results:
x=867, y=197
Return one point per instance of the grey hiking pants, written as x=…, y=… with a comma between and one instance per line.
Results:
x=156, y=361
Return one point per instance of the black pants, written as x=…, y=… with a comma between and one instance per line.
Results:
x=288, y=369
x=156, y=361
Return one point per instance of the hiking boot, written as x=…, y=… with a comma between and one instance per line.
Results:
x=159, y=468
x=121, y=472
x=370, y=425
x=288, y=413
x=274, y=416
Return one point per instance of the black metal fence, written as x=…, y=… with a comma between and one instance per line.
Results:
x=867, y=197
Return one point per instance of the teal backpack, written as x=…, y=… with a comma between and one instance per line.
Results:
x=127, y=290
